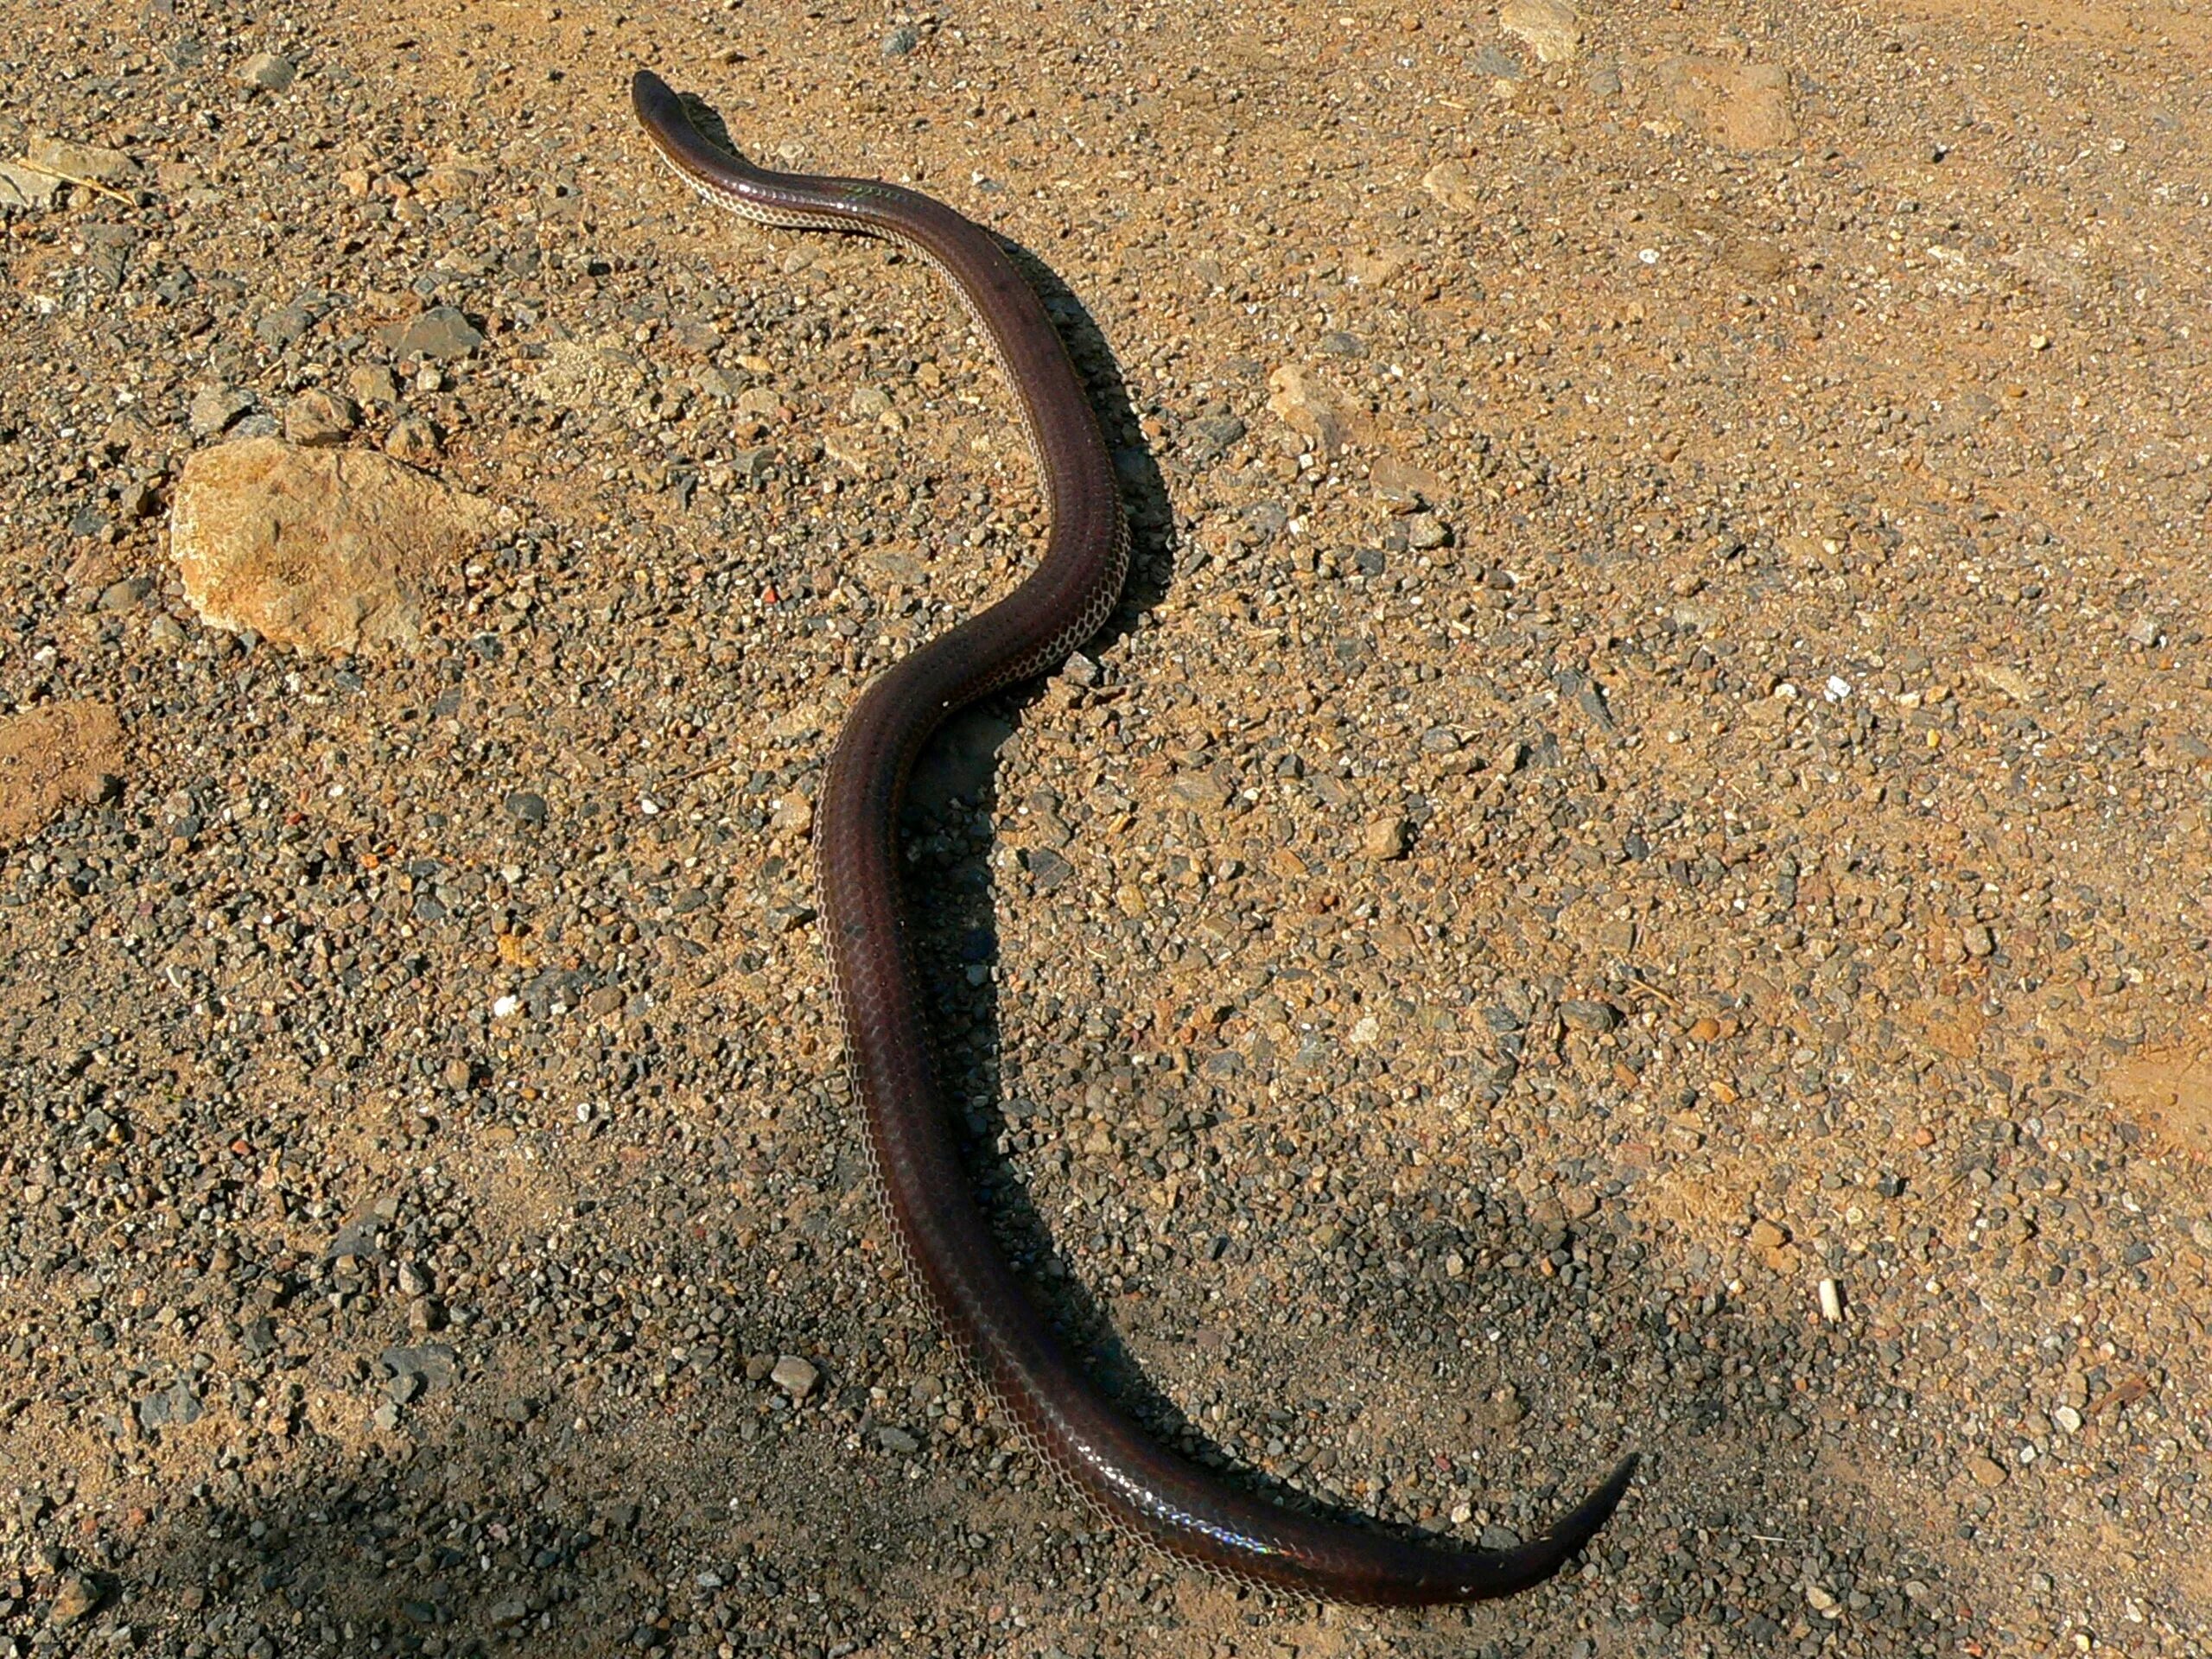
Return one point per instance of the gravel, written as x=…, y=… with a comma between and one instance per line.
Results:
x=1654, y=761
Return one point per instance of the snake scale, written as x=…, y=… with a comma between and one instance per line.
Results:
x=1062, y=1414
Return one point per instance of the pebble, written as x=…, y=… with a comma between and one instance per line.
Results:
x=442, y=333
x=1549, y=27
x=28, y=188
x=215, y=409
x=794, y=1375
x=72, y=161
x=372, y=383
x=75, y=1599
x=317, y=417
x=126, y=594
x=268, y=72
x=1403, y=486
x=415, y=441
x=1302, y=404
x=1585, y=1013
x=1424, y=531
x=1984, y=1472
x=1385, y=838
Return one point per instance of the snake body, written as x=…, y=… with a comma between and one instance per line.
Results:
x=1059, y=1412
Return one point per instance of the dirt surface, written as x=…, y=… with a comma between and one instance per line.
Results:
x=1656, y=761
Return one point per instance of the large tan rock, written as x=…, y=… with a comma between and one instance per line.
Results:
x=329, y=551
x=54, y=758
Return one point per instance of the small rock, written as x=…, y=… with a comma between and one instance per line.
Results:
x=284, y=326
x=1385, y=838
x=1503, y=1409
x=442, y=332
x=1403, y=487
x=1765, y=1236
x=432, y=1364
x=1549, y=27
x=1424, y=531
x=525, y=806
x=897, y=1440
x=72, y=161
x=269, y=72
x=1304, y=406
x=215, y=409
x=319, y=417
x=413, y=440
x=372, y=383
x=1202, y=792
x=1046, y=868
x=1986, y=1472
x=1979, y=940
x=21, y=187
x=1211, y=435
x=76, y=1599
x=1337, y=343
x=1586, y=1015
x=901, y=40
x=795, y=1376
x=794, y=816
x=126, y=594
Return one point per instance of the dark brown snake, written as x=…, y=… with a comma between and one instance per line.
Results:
x=1060, y=1413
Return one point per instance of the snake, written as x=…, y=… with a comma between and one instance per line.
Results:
x=1059, y=1412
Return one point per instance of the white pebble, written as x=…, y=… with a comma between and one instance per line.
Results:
x=1831, y=1300
x=505, y=1007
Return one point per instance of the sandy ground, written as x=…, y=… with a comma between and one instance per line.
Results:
x=1653, y=772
